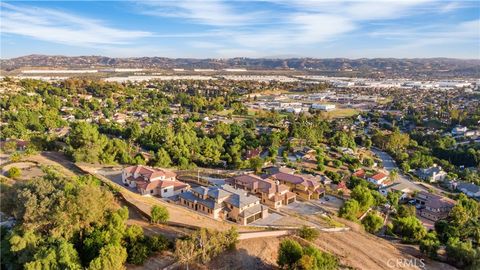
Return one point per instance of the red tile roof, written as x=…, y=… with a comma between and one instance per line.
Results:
x=148, y=172
x=360, y=173
x=379, y=176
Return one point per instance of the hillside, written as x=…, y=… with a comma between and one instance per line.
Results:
x=378, y=67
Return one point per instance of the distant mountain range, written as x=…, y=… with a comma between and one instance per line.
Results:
x=434, y=67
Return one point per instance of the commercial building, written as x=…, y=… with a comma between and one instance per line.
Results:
x=323, y=107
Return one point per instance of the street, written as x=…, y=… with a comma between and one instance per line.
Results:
x=389, y=164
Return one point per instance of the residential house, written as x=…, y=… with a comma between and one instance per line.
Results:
x=469, y=189
x=325, y=180
x=224, y=202
x=459, y=130
x=306, y=187
x=360, y=173
x=405, y=189
x=379, y=179
x=433, y=207
x=304, y=152
x=150, y=181
x=342, y=186
x=271, y=192
x=432, y=174
x=251, y=153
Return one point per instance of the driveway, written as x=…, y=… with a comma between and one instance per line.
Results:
x=302, y=208
x=330, y=202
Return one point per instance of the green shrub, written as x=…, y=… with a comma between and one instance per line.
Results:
x=14, y=172
x=372, y=222
x=308, y=233
x=159, y=214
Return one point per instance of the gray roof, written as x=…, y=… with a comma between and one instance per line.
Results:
x=429, y=172
x=188, y=196
x=238, y=197
x=201, y=190
x=468, y=187
x=216, y=193
x=252, y=210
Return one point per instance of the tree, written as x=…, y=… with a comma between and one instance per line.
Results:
x=205, y=244
x=461, y=253
x=85, y=142
x=321, y=167
x=368, y=143
x=368, y=162
x=308, y=233
x=406, y=211
x=307, y=262
x=162, y=159
x=138, y=252
x=405, y=167
x=14, y=172
x=159, y=214
x=10, y=146
x=409, y=228
x=393, y=175
x=393, y=197
x=372, y=222
x=429, y=245
x=323, y=260
x=379, y=199
x=185, y=251
x=350, y=210
x=157, y=243
x=363, y=196
x=256, y=163
x=289, y=253
x=111, y=258
x=64, y=223
x=337, y=163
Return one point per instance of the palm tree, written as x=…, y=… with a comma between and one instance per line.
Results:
x=394, y=174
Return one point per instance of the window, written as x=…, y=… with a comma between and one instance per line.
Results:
x=151, y=191
x=165, y=190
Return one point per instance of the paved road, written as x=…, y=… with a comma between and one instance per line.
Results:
x=389, y=164
x=250, y=235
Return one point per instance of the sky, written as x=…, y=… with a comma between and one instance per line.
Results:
x=242, y=28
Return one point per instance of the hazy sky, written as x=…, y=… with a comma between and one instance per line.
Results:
x=240, y=28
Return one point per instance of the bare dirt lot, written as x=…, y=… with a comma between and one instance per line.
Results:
x=260, y=253
x=28, y=170
x=361, y=250
x=356, y=250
